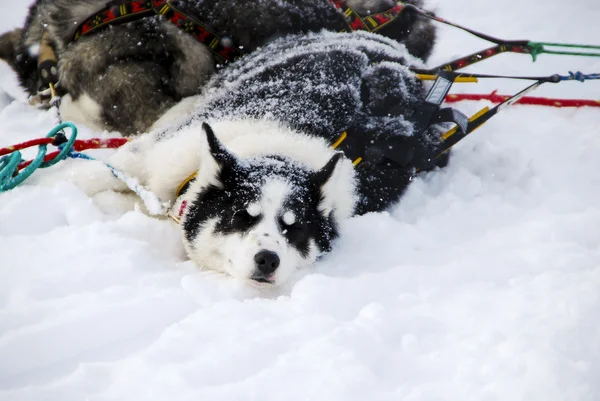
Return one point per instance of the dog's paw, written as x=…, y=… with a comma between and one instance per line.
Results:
x=91, y=177
x=95, y=177
x=116, y=203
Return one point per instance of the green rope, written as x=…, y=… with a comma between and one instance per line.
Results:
x=10, y=177
x=538, y=48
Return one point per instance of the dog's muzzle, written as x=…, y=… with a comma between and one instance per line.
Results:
x=266, y=263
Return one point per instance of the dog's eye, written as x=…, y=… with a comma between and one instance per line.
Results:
x=294, y=227
x=243, y=218
x=294, y=233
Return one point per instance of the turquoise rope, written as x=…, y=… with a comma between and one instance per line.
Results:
x=10, y=177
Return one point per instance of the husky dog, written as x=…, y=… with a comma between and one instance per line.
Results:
x=254, y=177
x=124, y=77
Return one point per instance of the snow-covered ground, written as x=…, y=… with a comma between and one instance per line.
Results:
x=483, y=284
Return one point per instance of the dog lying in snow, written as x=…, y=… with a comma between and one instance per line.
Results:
x=123, y=77
x=270, y=189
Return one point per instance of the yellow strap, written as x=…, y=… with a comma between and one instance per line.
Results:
x=341, y=139
x=52, y=90
x=185, y=182
x=474, y=117
x=372, y=22
x=459, y=79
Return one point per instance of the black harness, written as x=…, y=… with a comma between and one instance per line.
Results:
x=223, y=47
x=408, y=152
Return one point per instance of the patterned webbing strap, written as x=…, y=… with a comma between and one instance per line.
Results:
x=485, y=54
x=112, y=15
x=371, y=23
x=222, y=47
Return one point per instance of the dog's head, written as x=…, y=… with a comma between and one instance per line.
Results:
x=23, y=62
x=9, y=43
x=261, y=218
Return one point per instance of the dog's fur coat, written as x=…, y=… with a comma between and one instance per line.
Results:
x=268, y=181
x=124, y=77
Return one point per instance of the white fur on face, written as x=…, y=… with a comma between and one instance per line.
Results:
x=266, y=235
x=254, y=209
x=207, y=248
x=289, y=218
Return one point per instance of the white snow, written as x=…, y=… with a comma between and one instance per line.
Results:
x=483, y=284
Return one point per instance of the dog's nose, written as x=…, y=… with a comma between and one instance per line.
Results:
x=266, y=261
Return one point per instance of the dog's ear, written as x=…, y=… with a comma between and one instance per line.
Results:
x=325, y=179
x=220, y=154
x=337, y=187
x=324, y=175
x=8, y=46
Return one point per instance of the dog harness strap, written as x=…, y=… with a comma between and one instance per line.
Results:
x=185, y=184
x=352, y=148
x=221, y=47
x=181, y=205
x=379, y=20
x=116, y=14
x=371, y=23
x=408, y=152
x=355, y=23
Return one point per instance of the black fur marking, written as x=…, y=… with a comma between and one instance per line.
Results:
x=221, y=155
x=242, y=184
x=325, y=173
x=310, y=224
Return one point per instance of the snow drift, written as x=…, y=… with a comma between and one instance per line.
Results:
x=482, y=284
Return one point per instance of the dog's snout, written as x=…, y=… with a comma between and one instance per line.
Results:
x=266, y=261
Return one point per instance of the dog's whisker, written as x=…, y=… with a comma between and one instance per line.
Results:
x=201, y=263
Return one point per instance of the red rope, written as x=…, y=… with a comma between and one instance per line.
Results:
x=112, y=143
x=24, y=145
x=529, y=100
x=95, y=143
x=47, y=158
x=79, y=146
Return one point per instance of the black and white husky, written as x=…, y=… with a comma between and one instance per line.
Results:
x=269, y=189
x=124, y=77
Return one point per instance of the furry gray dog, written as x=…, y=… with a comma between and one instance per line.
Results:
x=124, y=77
